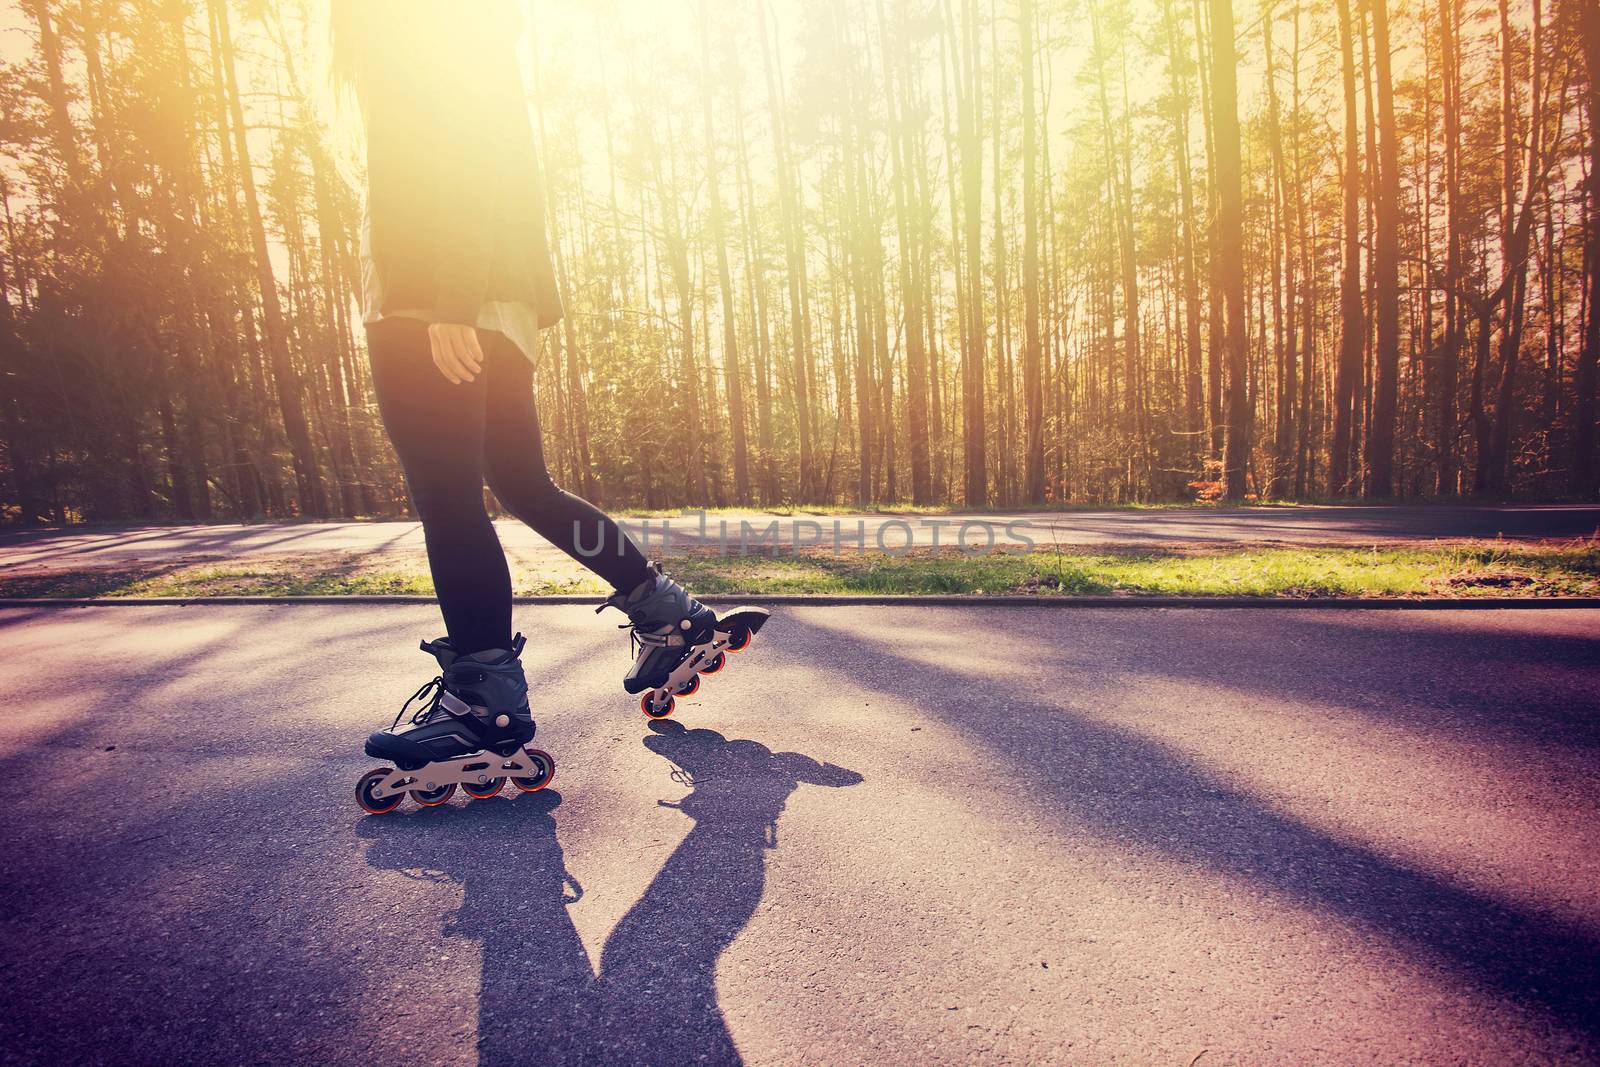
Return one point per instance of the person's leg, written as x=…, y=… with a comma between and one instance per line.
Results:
x=514, y=462
x=437, y=429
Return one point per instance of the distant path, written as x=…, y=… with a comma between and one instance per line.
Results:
x=879, y=836
x=34, y=550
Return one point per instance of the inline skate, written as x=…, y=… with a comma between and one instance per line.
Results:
x=472, y=730
x=677, y=639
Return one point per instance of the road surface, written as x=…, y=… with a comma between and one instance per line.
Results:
x=33, y=551
x=883, y=835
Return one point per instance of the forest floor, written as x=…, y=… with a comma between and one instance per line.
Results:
x=1443, y=569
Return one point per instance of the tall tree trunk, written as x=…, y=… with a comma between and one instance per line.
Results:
x=1515, y=233
x=898, y=67
x=1585, y=464
x=1283, y=266
x=756, y=281
x=1032, y=382
x=308, y=478
x=794, y=247
x=1230, y=245
x=1004, y=450
x=1177, y=55
x=1120, y=180
x=1352, y=323
x=1386, y=265
x=20, y=441
x=974, y=340
x=676, y=253
x=732, y=371
x=855, y=254
x=1216, y=323
x=1448, y=359
x=1308, y=295
x=60, y=114
x=568, y=352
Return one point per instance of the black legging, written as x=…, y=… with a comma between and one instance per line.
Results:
x=449, y=438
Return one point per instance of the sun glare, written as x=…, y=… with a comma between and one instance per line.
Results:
x=868, y=250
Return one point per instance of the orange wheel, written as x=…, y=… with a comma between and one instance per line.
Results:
x=690, y=687
x=433, y=798
x=364, y=796
x=546, y=768
x=484, y=791
x=715, y=664
x=739, y=639
x=647, y=705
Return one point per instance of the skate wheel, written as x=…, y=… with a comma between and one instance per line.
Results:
x=364, y=797
x=739, y=639
x=714, y=664
x=648, y=706
x=547, y=772
x=484, y=791
x=433, y=798
x=688, y=688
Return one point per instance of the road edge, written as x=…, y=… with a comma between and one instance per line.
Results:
x=869, y=599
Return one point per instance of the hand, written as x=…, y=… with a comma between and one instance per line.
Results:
x=456, y=351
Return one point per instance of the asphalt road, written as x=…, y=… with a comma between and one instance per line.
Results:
x=883, y=835
x=34, y=550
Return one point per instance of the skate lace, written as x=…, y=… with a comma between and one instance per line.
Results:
x=435, y=689
x=637, y=637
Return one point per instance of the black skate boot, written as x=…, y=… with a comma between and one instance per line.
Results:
x=472, y=730
x=678, y=639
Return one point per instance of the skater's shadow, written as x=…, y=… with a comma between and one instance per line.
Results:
x=654, y=1000
x=664, y=951
x=537, y=987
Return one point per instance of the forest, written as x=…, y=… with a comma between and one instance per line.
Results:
x=978, y=253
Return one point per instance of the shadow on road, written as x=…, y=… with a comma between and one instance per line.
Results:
x=1110, y=780
x=654, y=999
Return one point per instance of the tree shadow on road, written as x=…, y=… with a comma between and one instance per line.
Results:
x=1485, y=682
x=1110, y=780
x=654, y=999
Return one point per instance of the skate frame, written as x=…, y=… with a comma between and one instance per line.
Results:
x=475, y=769
x=700, y=655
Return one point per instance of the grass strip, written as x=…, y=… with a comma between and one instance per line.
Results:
x=1487, y=569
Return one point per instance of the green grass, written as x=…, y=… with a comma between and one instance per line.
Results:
x=1483, y=569
x=215, y=580
x=830, y=510
x=1273, y=572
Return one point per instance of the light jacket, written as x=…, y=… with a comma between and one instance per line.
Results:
x=455, y=198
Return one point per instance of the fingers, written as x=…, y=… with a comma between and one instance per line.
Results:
x=456, y=351
x=473, y=351
x=443, y=360
x=443, y=357
x=465, y=368
x=458, y=362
